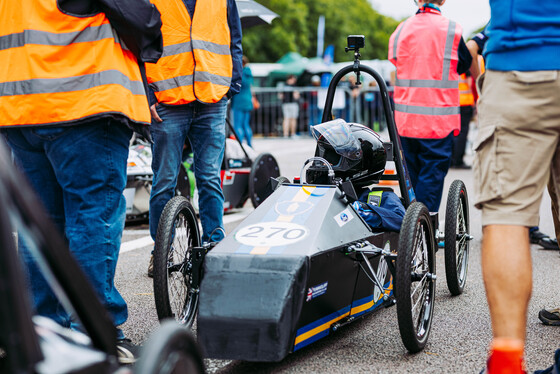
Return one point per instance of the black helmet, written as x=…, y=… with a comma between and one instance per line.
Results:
x=355, y=152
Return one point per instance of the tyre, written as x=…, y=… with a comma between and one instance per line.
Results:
x=176, y=236
x=415, y=278
x=457, y=242
x=264, y=168
x=183, y=183
x=172, y=349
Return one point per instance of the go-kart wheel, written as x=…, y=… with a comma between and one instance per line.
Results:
x=264, y=167
x=172, y=349
x=183, y=183
x=415, y=279
x=177, y=234
x=457, y=240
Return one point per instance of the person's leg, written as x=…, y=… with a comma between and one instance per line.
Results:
x=410, y=150
x=460, y=141
x=32, y=160
x=207, y=136
x=239, y=124
x=506, y=260
x=247, y=127
x=286, y=119
x=435, y=159
x=293, y=126
x=169, y=137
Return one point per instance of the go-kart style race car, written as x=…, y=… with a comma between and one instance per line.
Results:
x=244, y=176
x=305, y=263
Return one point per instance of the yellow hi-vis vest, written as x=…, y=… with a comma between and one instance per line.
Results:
x=466, y=96
x=196, y=63
x=58, y=68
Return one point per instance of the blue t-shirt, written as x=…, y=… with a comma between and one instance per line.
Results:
x=244, y=99
x=523, y=35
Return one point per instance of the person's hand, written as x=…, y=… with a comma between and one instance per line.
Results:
x=155, y=114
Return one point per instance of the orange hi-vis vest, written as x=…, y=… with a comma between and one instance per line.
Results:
x=58, y=68
x=466, y=97
x=424, y=49
x=196, y=63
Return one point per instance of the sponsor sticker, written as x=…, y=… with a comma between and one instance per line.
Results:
x=271, y=234
x=344, y=217
x=313, y=292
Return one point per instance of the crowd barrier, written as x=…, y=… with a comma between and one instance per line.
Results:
x=363, y=106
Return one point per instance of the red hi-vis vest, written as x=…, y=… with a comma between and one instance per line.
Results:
x=424, y=48
x=196, y=63
x=58, y=68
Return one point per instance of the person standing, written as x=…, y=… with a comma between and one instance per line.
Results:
x=466, y=101
x=242, y=105
x=518, y=113
x=429, y=54
x=290, y=107
x=71, y=91
x=199, y=71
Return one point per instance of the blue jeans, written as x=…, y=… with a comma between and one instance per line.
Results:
x=79, y=173
x=242, y=125
x=204, y=126
x=428, y=162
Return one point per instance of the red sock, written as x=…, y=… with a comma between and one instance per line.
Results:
x=506, y=357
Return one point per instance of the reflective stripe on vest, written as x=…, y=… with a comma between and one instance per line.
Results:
x=424, y=48
x=466, y=97
x=59, y=69
x=196, y=62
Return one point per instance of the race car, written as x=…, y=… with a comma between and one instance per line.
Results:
x=305, y=263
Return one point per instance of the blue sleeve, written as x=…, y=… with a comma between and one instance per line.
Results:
x=234, y=23
x=465, y=58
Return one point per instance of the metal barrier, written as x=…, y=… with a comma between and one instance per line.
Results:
x=365, y=108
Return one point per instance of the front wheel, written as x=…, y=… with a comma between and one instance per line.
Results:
x=415, y=277
x=172, y=349
x=457, y=238
x=177, y=234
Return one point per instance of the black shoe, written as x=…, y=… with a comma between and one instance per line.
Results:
x=545, y=241
x=550, y=317
x=126, y=351
x=151, y=267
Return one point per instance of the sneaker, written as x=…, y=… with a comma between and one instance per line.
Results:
x=506, y=357
x=545, y=241
x=151, y=267
x=126, y=351
x=554, y=369
x=550, y=317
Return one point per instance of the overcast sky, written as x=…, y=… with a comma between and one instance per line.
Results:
x=471, y=14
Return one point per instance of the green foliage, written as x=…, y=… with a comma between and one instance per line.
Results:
x=296, y=29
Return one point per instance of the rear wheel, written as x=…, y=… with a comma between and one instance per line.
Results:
x=457, y=240
x=415, y=278
x=171, y=350
x=177, y=234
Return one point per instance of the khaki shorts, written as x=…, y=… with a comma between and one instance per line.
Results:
x=517, y=145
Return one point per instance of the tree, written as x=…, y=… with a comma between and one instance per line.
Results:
x=296, y=29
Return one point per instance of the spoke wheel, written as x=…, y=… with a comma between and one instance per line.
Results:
x=171, y=350
x=457, y=243
x=176, y=236
x=415, y=278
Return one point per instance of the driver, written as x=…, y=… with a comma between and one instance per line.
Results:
x=356, y=154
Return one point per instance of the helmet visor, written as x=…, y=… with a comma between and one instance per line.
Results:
x=337, y=133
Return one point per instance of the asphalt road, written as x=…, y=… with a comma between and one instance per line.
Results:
x=461, y=325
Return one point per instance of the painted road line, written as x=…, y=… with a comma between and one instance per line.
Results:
x=136, y=244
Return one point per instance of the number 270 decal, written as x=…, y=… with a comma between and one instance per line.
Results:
x=271, y=234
